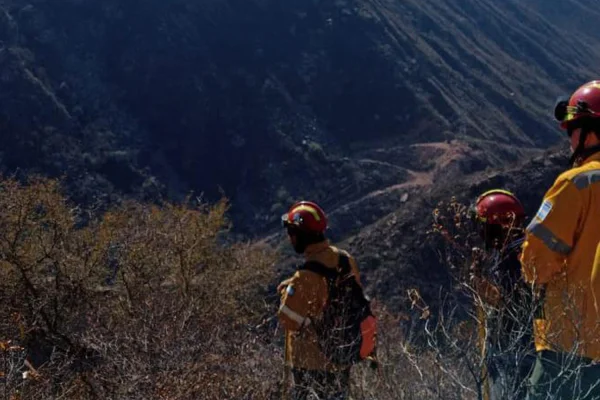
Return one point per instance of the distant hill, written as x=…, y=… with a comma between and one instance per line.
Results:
x=346, y=102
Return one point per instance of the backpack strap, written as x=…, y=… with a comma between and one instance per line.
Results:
x=344, y=263
x=330, y=273
x=319, y=269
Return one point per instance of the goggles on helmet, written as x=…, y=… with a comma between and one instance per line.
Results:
x=564, y=113
x=287, y=222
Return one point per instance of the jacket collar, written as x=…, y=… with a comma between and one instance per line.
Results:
x=315, y=248
x=593, y=156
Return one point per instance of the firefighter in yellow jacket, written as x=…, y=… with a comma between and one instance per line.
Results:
x=558, y=256
x=303, y=296
x=503, y=299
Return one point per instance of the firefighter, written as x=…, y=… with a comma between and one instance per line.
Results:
x=303, y=297
x=558, y=256
x=502, y=297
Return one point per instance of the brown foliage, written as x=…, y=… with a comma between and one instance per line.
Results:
x=149, y=302
x=144, y=302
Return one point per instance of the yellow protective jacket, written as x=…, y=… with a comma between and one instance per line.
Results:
x=558, y=257
x=302, y=299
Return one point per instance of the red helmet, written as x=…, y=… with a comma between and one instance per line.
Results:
x=585, y=102
x=306, y=216
x=499, y=207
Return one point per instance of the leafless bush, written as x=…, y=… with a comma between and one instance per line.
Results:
x=407, y=370
x=474, y=312
x=478, y=324
x=142, y=303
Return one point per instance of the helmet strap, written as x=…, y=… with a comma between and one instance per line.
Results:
x=577, y=155
x=581, y=152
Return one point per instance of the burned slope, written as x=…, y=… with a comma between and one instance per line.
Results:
x=270, y=102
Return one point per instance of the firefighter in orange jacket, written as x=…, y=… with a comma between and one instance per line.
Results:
x=558, y=256
x=303, y=297
x=502, y=305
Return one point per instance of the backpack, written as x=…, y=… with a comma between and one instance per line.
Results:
x=346, y=332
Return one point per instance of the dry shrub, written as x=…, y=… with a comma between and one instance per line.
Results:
x=145, y=302
x=474, y=308
x=408, y=370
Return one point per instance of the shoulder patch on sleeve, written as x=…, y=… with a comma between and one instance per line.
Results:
x=544, y=210
x=290, y=290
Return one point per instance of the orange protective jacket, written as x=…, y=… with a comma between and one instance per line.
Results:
x=302, y=299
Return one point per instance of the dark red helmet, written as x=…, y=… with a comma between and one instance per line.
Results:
x=499, y=207
x=583, y=103
x=307, y=217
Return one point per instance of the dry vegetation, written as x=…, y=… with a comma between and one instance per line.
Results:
x=149, y=302
x=152, y=302
x=143, y=302
x=471, y=311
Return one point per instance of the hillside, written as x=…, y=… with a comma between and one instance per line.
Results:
x=400, y=245
x=377, y=109
x=345, y=102
x=397, y=251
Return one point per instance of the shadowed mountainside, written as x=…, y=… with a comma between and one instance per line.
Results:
x=271, y=102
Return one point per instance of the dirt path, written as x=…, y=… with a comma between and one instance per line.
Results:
x=417, y=179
